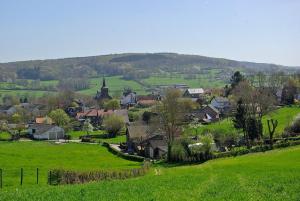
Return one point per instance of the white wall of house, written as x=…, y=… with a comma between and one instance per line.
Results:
x=51, y=134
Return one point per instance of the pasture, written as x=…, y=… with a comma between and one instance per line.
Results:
x=46, y=156
x=273, y=176
x=284, y=115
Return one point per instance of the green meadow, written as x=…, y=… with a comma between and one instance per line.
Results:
x=284, y=115
x=272, y=176
x=46, y=156
x=116, y=84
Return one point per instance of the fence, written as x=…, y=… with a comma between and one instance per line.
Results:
x=10, y=177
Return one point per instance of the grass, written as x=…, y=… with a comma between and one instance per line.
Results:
x=115, y=84
x=284, y=115
x=205, y=81
x=46, y=156
x=116, y=140
x=77, y=134
x=272, y=175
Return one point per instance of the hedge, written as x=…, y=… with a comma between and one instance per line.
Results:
x=243, y=150
x=61, y=177
x=123, y=155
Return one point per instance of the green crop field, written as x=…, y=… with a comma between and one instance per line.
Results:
x=46, y=156
x=272, y=175
x=284, y=116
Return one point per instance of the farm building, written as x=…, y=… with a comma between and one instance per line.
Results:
x=146, y=140
x=206, y=114
x=155, y=146
x=222, y=104
x=193, y=93
x=46, y=132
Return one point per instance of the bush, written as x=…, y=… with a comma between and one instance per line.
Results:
x=113, y=124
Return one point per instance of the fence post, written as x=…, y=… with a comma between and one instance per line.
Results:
x=37, y=175
x=21, y=176
x=50, y=177
x=0, y=178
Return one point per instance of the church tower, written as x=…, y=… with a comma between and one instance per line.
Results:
x=103, y=93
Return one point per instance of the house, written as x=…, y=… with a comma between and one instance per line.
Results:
x=7, y=110
x=181, y=87
x=206, y=114
x=96, y=116
x=155, y=146
x=46, y=132
x=136, y=132
x=193, y=93
x=222, y=104
x=129, y=98
x=103, y=93
x=146, y=140
x=75, y=107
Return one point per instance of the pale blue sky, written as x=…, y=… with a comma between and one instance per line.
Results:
x=251, y=30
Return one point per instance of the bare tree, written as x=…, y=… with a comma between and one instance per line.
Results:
x=171, y=111
x=272, y=124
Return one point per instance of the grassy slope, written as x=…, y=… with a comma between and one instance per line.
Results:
x=204, y=81
x=270, y=176
x=45, y=156
x=284, y=116
x=115, y=85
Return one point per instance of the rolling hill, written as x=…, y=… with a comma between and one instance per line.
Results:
x=131, y=65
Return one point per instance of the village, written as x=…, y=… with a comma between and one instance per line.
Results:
x=146, y=124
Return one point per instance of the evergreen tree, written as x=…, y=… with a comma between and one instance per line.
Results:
x=239, y=120
x=236, y=79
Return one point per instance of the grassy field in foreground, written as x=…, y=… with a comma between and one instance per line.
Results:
x=273, y=175
x=45, y=156
x=284, y=116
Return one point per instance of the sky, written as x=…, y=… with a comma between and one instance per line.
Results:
x=247, y=30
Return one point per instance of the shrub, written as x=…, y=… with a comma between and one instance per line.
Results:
x=113, y=124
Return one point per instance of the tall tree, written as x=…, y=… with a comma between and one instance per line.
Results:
x=59, y=117
x=87, y=126
x=272, y=125
x=240, y=117
x=236, y=78
x=171, y=112
x=113, y=124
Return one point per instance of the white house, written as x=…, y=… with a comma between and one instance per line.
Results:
x=46, y=132
x=129, y=99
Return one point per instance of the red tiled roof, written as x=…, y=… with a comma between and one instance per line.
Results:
x=147, y=102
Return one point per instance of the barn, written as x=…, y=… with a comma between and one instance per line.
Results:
x=46, y=132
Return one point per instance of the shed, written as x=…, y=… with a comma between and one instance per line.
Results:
x=46, y=132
